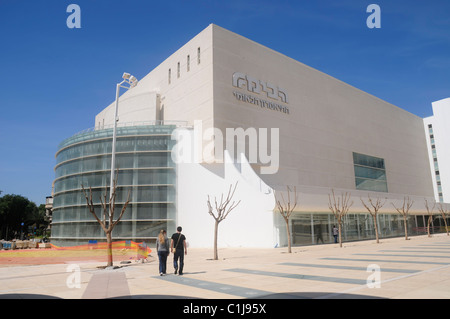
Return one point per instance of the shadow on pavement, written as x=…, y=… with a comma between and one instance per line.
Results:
x=284, y=296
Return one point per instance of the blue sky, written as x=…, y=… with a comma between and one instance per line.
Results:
x=55, y=79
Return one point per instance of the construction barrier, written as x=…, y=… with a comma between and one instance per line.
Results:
x=141, y=248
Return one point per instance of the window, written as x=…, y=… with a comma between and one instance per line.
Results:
x=188, y=63
x=198, y=55
x=170, y=75
x=370, y=173
x=178, y=70
x=435, y=160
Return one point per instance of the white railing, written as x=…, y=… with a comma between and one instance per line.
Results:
x=124, y=125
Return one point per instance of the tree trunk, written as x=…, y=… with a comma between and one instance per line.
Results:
x=446, y=227
x=376, y=228
x=216, y=233
x=428, y=226
x=288, y=232
x=340, y=235
x=406, y=227
x=109, y=249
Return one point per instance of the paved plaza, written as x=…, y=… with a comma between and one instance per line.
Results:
x=394, y=268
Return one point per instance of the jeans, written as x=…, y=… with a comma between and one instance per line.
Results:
x=179, y=254
x=162, y=255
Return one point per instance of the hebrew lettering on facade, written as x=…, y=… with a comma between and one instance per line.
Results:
x=239, y=80
x=283, y=95
x=253, y=85
x=272, y=90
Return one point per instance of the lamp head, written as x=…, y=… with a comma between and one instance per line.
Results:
x=126, y=76
x=133, y=81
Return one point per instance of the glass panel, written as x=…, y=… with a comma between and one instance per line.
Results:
x=301, y=230
x=365, y=160
x=366, y=227
x=371, y=185
x=139, y=229
x=351, y=227
x=145, y=167
x=371, y=173
x=323, y=229
x=357, y=226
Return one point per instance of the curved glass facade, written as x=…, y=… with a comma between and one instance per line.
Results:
x=145, y=168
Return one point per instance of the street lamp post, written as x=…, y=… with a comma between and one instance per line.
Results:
x=132, y=82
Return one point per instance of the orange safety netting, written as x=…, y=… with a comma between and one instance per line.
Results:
x=122, y=250
x=118, y=245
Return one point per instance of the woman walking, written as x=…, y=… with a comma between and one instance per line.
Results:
x=162, y=247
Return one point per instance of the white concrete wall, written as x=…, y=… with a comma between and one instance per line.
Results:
x=327, y=121
x=143, y=106
x=187, y=97
x=250, y=224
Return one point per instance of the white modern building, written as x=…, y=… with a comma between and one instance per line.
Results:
x=224, y=110
x=438, y=141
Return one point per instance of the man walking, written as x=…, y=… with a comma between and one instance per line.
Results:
x=179, y=249
x=335, y=233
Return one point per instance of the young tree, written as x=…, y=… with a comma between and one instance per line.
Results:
x=430, y=215
x=222, y=211
x=339, y=206
x=444, y=213
x=376, y=206
x=404, y=210
x=286, y=208
x=108, y=207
